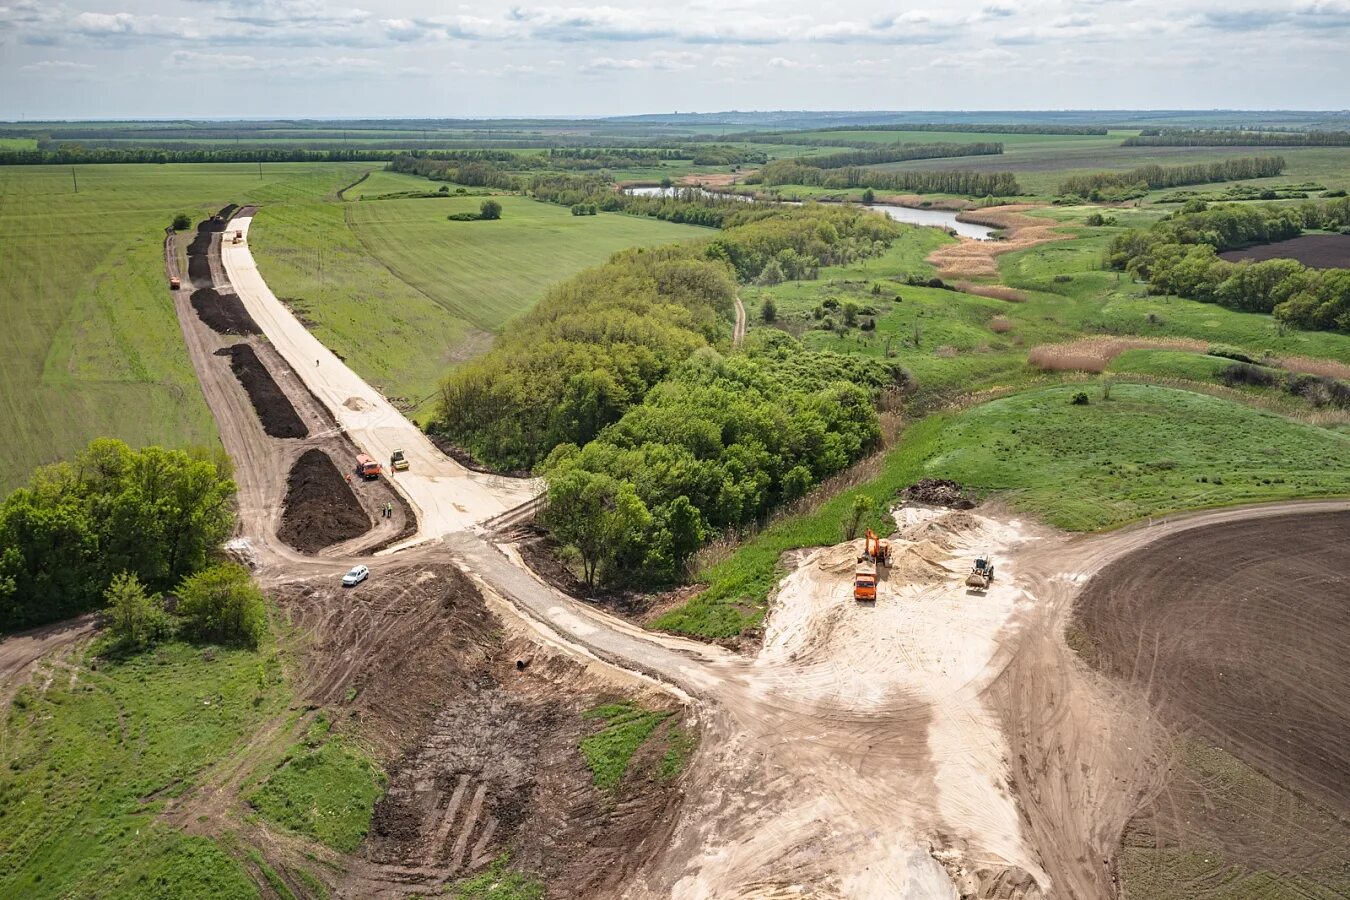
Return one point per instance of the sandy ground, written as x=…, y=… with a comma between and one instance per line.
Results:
x=445, y=496
x=979, y=259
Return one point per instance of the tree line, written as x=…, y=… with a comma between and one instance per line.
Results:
x=972, y=184
x=79, y=155
x=1179, y=255
x=888, y=153
x=715, y=445
x=1222, y=137
x=1112, y=185
x=156, y=514
x=811, y=138
x=598, y=342
x=690, y=206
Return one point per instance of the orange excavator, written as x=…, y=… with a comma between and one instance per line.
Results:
x=876, y=553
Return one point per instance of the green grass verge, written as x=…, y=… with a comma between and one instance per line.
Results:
x=92, y=347
x=326, y=789
x=1148, y=450
x=90, y=761
x=498, y=883
x=609, y=751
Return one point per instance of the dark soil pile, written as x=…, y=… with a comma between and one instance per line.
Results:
x=320, y=509
x=223, y=313
x=937, y=492
x=468, y=461
x=274, y=409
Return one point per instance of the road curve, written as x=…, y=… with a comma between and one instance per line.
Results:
x=738, y=336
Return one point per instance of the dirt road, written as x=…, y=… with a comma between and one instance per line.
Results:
x=445, y=496
x=738, y=336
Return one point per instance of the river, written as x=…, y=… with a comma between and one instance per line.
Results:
x=933, y=218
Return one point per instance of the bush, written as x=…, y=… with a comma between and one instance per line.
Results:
x=1227, y=352
x=222, y=605
x=1080, y=399
x=136, y=619
x=1319, y=391
x=1246, y=373
x=768, y=311
x=182, y=222
x=490, y=210
x=464, y=217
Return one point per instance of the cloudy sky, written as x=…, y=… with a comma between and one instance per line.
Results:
x=202, y=58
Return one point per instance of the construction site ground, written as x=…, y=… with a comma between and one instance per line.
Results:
x=940, y=742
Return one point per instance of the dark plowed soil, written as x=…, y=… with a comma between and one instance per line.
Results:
x=320, y=508
x=937, y=492
x=482, y=756
x=1237, y=633
x=223, y=313
x=1321, y=251
x=274, y=410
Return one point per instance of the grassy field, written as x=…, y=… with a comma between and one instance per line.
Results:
x=91, y=759
x=488, y=272
x=93, y=347
x=325, y=789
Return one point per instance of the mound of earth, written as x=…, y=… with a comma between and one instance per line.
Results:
x=1237, y=634
x=223, y=313
x=274, y=409
x=320, y=509
x=937, y=492
x=482, y=755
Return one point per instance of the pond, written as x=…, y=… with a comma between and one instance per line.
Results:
x=935, y=218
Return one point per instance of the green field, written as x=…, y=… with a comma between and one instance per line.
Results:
x=91, y=759
x=403, y=294
x=93, y=348
x=489, y=272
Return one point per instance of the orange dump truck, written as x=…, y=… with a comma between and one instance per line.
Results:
x=367, y=468
x=865, y=583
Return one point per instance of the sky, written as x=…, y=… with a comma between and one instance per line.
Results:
x=374, y=58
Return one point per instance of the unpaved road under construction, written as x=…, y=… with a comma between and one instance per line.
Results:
x=938, y=743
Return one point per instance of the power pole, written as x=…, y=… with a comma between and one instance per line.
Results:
x=74, y=180
x=260, y=170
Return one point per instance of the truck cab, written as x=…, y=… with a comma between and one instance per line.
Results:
x=367, y=468
x=865, y=583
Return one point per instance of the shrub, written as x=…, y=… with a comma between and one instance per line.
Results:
x=1246, y=373
x=182, y=222
x=1080, y=399
x=222, y=605
x=1000, y=325
x=1319, y=391
x=768, y=311
x=490, y=209
x=1227, y=352
x=136, y=619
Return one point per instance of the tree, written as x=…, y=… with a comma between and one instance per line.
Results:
x=850, y=313
x=772, y=273
x=136, y=619
x=598, y=515
x=869, y=197
x=182, y=222
x=223, y=605
x=490, y=209
x=768, y=311
x=862, y=505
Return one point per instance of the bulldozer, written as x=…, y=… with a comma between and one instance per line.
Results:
x=876, y=553
x=981, y=574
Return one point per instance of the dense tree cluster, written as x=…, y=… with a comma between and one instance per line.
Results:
x=157, y=514
x=598, y=342
x=715, y=445
x=1179, y=255
x=471, y=172
x=1220, y=137
x=888, y=153
x=812, y=138
x=690, y=206
x=973, y=184
x=1115, y=185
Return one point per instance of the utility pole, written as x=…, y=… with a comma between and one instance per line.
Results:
x=74, y=180
x=260, y=170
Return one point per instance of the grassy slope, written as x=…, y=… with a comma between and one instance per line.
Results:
x=958, y=353
x=92, y=345
x=489, y=272
x=90, y=762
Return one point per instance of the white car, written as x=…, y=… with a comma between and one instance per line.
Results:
x=355, y=576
